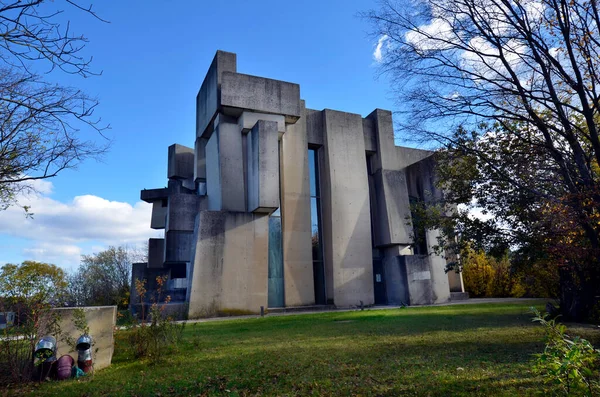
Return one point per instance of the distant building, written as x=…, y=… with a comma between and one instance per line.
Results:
x=278, y=205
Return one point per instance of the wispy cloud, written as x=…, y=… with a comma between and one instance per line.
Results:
x=378, y=53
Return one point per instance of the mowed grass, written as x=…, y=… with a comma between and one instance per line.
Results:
x=483, y=349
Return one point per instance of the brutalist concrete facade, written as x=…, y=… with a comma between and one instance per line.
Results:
x=278, y=205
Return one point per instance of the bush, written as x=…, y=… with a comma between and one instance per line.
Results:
x=155, y=338
x=486, y=276
x=570, y=364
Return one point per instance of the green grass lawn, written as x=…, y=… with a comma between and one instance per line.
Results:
x=483, y=349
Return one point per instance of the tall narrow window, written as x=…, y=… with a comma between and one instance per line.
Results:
x=275, y=293
x=315, y=217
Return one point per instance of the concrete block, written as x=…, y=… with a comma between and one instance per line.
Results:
x=392, y=225
x=295, y=210
x=418, y=275
x=159, y=215
x=182, y=210
x=314, y=127
x=209, y=97
x=263, y=167
x=346, y=210
x=200, y=159
x=101, y=321
x=245, y=92
x=248, y=120
x=225, y=171
x=370, y=136
x=386, y=156
x=178, y=246
x=156, y=253
x=230, y=269
x=181, y=162
x=408, y=156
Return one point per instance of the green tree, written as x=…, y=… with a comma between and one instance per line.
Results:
x=30, y=290
x=103, y=278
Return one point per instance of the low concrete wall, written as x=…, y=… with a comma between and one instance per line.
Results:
x=101, y=321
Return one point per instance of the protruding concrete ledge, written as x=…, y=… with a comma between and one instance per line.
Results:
x=245, y=92
x=151, y=195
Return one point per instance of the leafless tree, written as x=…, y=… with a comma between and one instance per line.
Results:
x=103, y=278
x=531, y=68
x=42, y=123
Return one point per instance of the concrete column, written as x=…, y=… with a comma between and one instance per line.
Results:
x=439, y=279
x=263, y=167
x=346, y=216
x=224, y=167
x=393, y=208
x=295, y=215
x=385, y=157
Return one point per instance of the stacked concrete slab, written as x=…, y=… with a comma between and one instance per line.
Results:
x=250, y=163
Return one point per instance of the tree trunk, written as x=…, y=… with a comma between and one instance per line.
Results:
x=579, y=293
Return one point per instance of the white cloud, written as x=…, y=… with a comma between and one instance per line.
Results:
x=67, y=255
x=59, y=230
x=436, y=35
x=378, y=54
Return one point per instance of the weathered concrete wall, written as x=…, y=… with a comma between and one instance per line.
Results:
x=230, y=263
x=295, y=211
x=101, y=321
x=345, y=202
x=209, y=97
x=182, y=212
x=408, y=156
x=225, y=168
x=259, y=94
x=178, y=246
x=263, y=167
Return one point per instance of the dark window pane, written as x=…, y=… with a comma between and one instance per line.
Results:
x=275, y=279
x=312, y=169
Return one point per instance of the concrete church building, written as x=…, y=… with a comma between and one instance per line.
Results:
x=278, y=205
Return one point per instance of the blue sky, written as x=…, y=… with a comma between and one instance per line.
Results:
x=153, y=56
